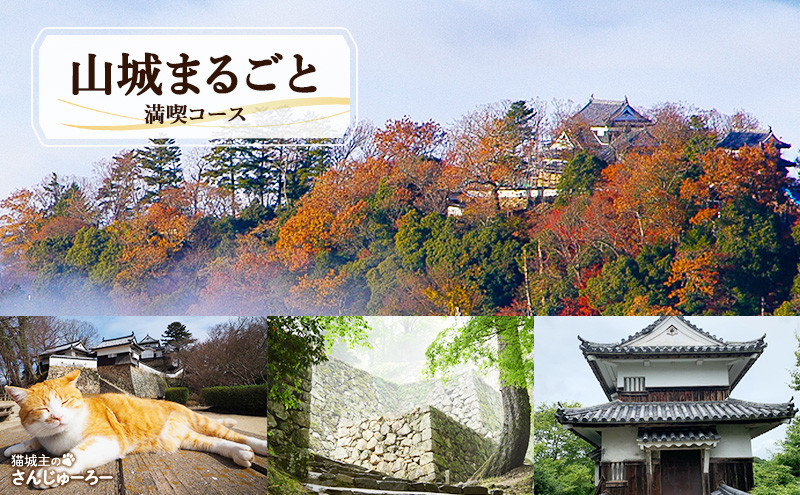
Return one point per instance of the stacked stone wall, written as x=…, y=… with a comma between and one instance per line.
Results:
x=343, y=392
x=147, y=384
x=119, y=375
x=424, y=445
x=88, y=382
x=464, y=397
x=288, y=430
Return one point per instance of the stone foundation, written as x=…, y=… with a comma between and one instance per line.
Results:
x=133, y=380
x=425, y=445
x=147, y=384
x=88, y=382
x=343, y=392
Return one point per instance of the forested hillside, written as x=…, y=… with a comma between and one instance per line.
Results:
x=361, y=227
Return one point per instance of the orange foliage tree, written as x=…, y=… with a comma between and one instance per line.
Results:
x=353, y=208
x=147, y=244
x=18, y=225
x=644, y=190
x=490, y=149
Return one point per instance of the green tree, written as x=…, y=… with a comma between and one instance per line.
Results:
x=177, y=337
x=781, y=474
x=579, y=177
x=94, y=252
x=161, y=166
x=121, y=187
x=53, y=192
x=561, y=458
x=758, y=254
x=504, y=343
x=225, y=168
x=295, y=343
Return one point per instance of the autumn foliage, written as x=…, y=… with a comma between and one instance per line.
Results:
x=682, y=227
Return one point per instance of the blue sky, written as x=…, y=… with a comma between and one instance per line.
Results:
x=563, y=375
x=118, y=326
x=439, y=60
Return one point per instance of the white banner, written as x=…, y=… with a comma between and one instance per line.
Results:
x=118, y=86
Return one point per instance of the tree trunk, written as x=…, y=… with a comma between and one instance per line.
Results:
x=23, y=326
x=516, y=434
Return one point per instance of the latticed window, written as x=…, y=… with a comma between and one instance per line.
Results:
x=617, y=471
x=634, y=384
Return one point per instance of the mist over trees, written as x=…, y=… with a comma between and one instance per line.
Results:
x=361, y=228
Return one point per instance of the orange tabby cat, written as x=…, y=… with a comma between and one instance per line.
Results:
x=102, y=428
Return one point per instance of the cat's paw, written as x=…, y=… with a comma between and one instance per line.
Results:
x=46, y=478
x=15, y=449
x=228, y=422
x=242, y=455
x=68, y=459
x=258, y=445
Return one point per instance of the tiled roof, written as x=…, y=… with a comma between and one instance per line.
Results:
x=147, y=339
x=649, y=328
x=678, y=435
x=63, y=346
x=601, y=112
x=739, y=138
x=618, y=412
x=723, y=347
x=76, y=344
x=597, y=112
x=637, y=137
x=727, y=348
x=129, y=339
x=727, y=490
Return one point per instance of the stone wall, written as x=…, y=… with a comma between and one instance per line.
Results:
x=424, y=445
x=288, y=431
x=132, y=380
x=147, y=384
x=119, y=375
x=465, y=397
x=343, y=392
x=88, y=382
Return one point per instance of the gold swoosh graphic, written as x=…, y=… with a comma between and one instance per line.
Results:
x=246, y=110
x=99, y=111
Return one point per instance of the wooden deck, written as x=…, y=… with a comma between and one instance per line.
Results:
x=180, y=473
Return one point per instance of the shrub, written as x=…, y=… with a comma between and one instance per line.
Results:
x=177, y=394
x=246, y=399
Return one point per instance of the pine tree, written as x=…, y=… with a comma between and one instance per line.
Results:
x=225, y=168
x=161, y=167
x=177, y=336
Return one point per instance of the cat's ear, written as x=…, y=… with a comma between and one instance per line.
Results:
x=17, y=393
x=71, y=377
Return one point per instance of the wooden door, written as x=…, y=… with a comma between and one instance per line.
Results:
x=681, y=472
